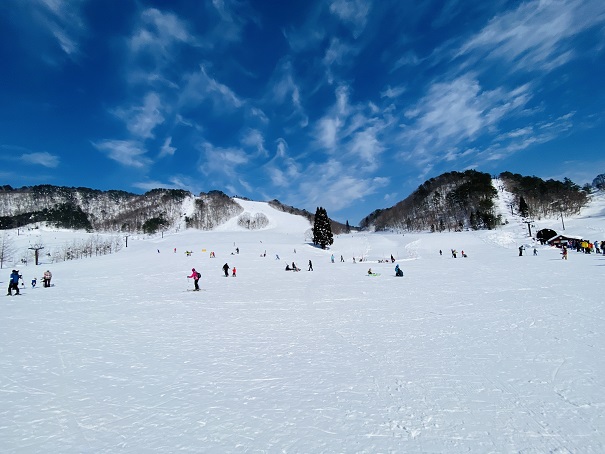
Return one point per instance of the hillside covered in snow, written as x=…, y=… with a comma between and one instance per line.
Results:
x=493, y=352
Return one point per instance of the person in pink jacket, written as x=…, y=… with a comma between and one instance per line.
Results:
x=196, y=277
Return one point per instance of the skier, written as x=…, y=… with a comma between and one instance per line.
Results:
x=535, y=251
x=46, y=278
x=226, y=270
x=233, y=272
x=332, y=258
x=34, y=281
x=342, y=259
x=196, y=277
x=13, y=283
x=564, y=253
x=521, y=251
x=310, y=266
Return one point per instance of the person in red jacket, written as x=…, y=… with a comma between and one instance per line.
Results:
x=196, y=277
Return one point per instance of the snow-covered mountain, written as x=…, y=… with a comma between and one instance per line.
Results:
x=488, y=353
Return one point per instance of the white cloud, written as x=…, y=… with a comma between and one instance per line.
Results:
x=353, y=13
x=254, y=138
x=142, y=120
x=63, y=19
x=199, y=86
x=393, y=92
x=222, y=161
x=44, y=159
x=167, y=148
x=335, y=186
x=454, y=112
x=158, y=32
x=536, y=35
x=127, y=152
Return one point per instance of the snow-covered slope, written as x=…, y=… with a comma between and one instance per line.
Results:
x=489, y=353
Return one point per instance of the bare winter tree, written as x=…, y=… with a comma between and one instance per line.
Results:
x=7, y=249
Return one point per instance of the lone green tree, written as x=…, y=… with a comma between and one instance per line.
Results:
x=523, y=207
x=322, y=230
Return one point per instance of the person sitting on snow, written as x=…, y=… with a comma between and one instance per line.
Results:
x=398, y=271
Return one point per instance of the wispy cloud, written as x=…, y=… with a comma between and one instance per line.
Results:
x=167, y=148
x=129, y=153
x=455, y=112
x=336, y=186
x=222, y=162
x=511, y=142
x=43, y=158
x=393, y=92
x=352, y=13
x=536, y=35
x=158, y=31
x=283, y=170
x=254, y=138
x=142, y=120
x=199, y=86
x=64, y=21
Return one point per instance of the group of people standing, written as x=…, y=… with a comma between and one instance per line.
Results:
x=15, y=277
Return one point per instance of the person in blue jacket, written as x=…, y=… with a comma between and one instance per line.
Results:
x=398, y=271
x=13, y=283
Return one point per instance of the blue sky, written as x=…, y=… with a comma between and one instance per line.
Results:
x=345, y=104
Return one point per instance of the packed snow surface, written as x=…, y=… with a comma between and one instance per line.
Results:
x=489, y=353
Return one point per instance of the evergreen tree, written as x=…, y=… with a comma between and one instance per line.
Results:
x=322, y=230
x=523, y=208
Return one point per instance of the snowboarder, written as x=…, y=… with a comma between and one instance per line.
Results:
x=310, y=266
x=398, y=271
x=196, y=277
x=46, y=278
x=226, y=270
x=13, y=283
x=392, y=259
x=294, y=267
x=521, y=251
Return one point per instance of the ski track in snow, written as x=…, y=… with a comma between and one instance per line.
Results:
x=490, y=353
